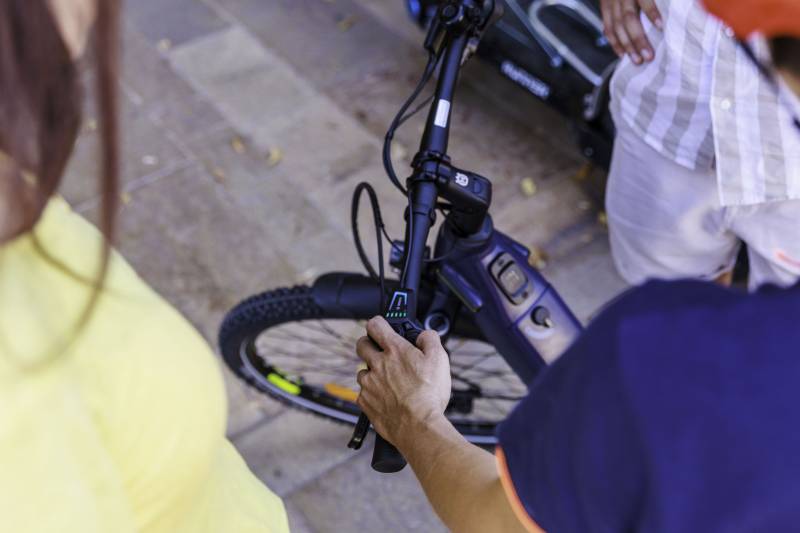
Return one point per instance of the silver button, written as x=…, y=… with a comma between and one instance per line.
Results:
x=725, y=104
x=729, y=32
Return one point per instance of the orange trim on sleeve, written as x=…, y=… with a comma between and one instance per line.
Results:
x=511, y=493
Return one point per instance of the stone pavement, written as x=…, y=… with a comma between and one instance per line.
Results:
x=247, y=124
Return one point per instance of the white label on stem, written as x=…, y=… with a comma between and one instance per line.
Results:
x=442, y=113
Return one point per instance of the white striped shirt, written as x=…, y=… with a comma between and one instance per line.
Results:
x=704, y=105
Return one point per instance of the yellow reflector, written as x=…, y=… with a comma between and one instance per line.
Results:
x=343, y=393
x=283, y=384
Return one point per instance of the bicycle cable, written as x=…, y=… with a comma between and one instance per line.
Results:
x=401, y=117
x=416, y=110
x=381, y=227
x=380, y=230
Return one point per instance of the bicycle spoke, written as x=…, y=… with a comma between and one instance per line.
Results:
x=325, y=347
x=322, y=352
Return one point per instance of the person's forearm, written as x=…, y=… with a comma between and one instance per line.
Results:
x=460, y=480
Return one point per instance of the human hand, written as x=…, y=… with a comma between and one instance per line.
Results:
x=404, y=386
x=622, y=25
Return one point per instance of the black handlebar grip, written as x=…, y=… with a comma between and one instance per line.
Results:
x=385, y=457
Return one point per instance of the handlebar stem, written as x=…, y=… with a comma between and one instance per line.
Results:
x=458, y=28
x=437, y=128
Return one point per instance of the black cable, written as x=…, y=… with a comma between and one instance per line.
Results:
x=441, y=257
x=430, y=67
x=417, y=109
x=380, y=230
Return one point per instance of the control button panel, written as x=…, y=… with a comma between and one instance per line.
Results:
x=510, y=278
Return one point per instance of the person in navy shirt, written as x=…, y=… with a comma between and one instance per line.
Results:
x=676, y=411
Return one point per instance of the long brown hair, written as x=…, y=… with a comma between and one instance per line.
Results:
x=40, y=116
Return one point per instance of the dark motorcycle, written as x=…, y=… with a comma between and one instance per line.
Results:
x=555, y=50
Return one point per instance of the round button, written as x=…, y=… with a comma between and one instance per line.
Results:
x=726, y=104
x=541, y=317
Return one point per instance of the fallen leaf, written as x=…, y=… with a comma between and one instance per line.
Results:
x=528, y=187
x=399, y=150
x=125, y=198
x=164, y=45
x=602, y=218
x=361, y=115
x=219, y=174
x=274, y=156
x=90, y=125
x=307, y=276
x=238, y=145
x=346, y=23
x=538, y=258
x=583, y=172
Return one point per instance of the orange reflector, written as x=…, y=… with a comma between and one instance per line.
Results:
x=343, y=393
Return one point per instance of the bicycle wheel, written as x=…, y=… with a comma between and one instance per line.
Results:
x=285, y=344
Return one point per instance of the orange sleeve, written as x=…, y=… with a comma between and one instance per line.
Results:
x=511, y=494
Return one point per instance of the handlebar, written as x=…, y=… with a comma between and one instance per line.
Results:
x=423, y=192
x=456, y=24
x=385, y=457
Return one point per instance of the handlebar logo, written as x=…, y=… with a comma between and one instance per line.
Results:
x=462, y=179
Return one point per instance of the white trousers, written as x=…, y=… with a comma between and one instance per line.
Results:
x=666, y=222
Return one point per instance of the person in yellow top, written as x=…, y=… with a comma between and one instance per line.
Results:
x=112, y=407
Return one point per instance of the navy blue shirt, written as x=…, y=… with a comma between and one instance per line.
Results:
x=677, y=411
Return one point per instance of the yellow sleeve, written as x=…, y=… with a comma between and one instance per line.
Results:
x=57, y=476
x=124, y=431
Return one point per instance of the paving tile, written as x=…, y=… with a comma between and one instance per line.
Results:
x=255, y=91
x=370, y=82
x=294, y=448
x=177, y=21
x=539, y=220
x=273, y=202
x=185, y=236
x=586, y=278
x=147, y=149
x=335, y=196
x=163, y=95
x=321, y=147
x=352, y=497
x=247, y=408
